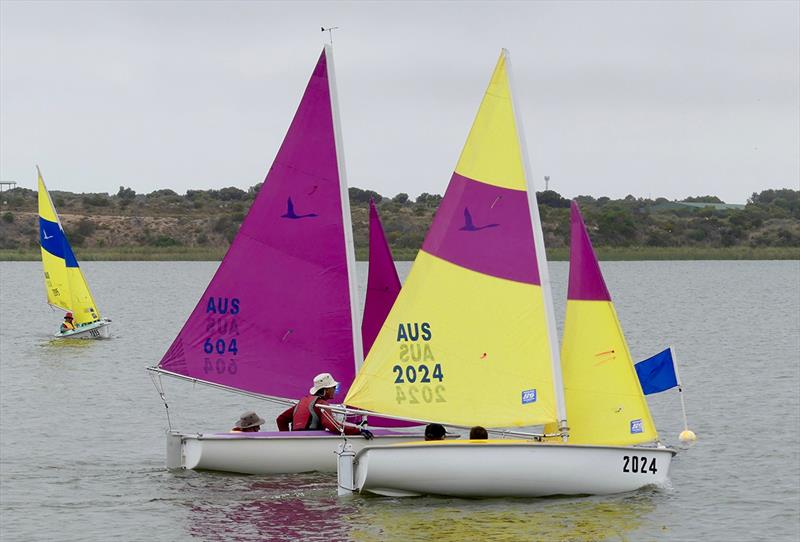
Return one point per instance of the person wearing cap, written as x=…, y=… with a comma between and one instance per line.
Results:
x=307, y=415
x=67, y=324
x=249, y=422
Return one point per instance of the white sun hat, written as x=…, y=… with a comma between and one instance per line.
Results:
x=322, y=380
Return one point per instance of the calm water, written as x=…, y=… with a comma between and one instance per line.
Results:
x=82, y=444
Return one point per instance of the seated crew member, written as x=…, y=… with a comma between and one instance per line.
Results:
x=249, y=422
x=478, y=433
x=434, y=431
x=67, y=324
x=307, y=415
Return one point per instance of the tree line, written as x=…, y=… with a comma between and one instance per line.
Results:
x=164, y=218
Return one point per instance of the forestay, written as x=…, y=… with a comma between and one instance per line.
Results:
x=280, y=308
x=466, y=341
x=66, y=286
x=603, y=394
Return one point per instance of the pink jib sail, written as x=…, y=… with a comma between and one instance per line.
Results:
x=383, y=284
x=586, y=282
x=278, y=310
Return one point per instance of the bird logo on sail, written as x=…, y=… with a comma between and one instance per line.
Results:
x=470, y=226
x=291, y=214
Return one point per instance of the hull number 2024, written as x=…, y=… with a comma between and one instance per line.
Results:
x=640, y=464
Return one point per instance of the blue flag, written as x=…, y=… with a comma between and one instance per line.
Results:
x=657, y=373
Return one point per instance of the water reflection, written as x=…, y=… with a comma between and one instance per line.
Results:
x=305, y=507
x=590, y=518
x=292, y=507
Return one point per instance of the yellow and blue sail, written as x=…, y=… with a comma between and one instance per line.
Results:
x=66, y=286
x=604, y=398
x=466, y=341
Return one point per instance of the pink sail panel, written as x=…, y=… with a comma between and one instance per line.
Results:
x=383, y=284
x=585, y=279
x=485, y=228
x=277, y=311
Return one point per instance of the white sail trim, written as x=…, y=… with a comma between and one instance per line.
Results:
x=541, y=256
x=355, y=313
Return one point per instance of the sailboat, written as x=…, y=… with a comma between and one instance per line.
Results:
x=66, y=286
x=471, y=340
x=282, y=307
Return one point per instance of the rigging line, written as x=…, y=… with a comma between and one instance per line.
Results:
x=269, y=398
x=160, y=389
x=340, y=409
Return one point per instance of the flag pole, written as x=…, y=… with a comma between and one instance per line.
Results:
x=686, y=434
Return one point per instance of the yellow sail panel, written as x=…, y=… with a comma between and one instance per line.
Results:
x=460, y=347
x=492, y=153
x=83, y=308
x=47, y=210
x=56, y=281
x=605, y=404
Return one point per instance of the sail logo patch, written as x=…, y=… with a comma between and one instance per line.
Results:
x=469, y=225
x=290, y=212
x=528, y=396
x=637, y=426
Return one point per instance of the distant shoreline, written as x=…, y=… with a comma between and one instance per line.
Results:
x=139, y=253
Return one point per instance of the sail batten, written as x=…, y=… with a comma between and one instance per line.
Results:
x=466, y=341
x=279, y=309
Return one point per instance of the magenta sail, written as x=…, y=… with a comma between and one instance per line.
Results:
x=383, y=284
x=278, y=310
x=585, y=279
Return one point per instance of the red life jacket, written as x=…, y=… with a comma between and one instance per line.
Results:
x=305, y=417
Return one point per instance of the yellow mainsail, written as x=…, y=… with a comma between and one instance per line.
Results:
x=66, y=286
x=604, y=398
x=466, y=342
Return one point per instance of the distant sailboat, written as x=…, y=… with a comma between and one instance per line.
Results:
x=282, y=306
x=66, y=286
x=471, y=340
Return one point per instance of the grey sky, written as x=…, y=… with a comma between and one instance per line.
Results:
x=648, y=98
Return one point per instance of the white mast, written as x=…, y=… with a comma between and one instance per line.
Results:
x=355, y=313
x=541, y=260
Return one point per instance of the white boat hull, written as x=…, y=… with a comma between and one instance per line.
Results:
x=504, y=468
x=96, y=330
x=266, y=453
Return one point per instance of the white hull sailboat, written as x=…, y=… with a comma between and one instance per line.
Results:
x=282, y=306
x=507, y=468
x=274, y=452
x=477, y=310
x=100, y=329
x=66, y=286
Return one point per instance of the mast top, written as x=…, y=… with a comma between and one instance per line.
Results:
x=329, y=30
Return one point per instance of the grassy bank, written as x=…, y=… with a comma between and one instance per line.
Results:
x=555, y=254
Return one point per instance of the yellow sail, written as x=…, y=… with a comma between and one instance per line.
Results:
x=66, y=286
x=466, y=342
x=605, y=403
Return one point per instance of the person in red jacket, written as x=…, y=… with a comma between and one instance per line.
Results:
x=307, y=415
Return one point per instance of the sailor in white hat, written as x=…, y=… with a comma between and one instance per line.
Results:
x=308, y=416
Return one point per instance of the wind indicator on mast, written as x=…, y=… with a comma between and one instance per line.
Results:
x=330, y=30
